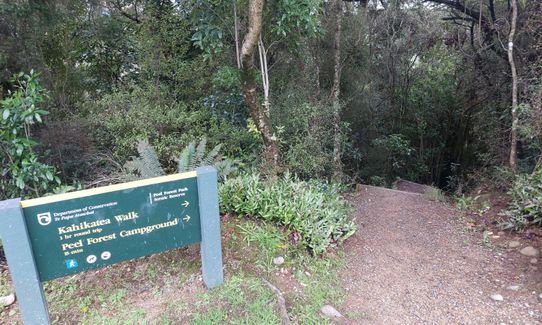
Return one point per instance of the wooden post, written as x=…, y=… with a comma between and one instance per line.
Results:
x=21, y=264
x=211, y=243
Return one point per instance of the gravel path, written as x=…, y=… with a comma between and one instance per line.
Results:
x=412, y=262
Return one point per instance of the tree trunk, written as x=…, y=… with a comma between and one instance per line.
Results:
x=265, y=75
x=335, y=94
x=249, y=86
x=537, y=107
x=236, y=32
x=515, y=120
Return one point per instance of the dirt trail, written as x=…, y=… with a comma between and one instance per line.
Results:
x=413, y=263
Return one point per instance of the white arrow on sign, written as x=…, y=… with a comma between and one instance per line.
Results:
x=187, y=218
x=186, y=204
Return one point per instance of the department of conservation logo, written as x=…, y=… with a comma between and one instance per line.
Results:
x=44, y=218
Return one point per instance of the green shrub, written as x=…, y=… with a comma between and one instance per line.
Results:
x=525, y=207
x=377, y=181
x=121, y=119
x=465, y=202
x=435, y=194
x=319, y=216
x=21, y=173
x=307, y=139
x=393, y=156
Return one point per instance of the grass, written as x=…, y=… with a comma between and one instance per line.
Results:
x=5, y=287
x=321, y=286
x=473, y=204
x=242, y=300
x=267, y=239
x=435, y=194
x=167, y=288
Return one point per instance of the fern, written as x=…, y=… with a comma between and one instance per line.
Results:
x=146, y=165
x=199, y=154
x=212, y=156
x=192, y=156
x=186, y=158
x=225, y=168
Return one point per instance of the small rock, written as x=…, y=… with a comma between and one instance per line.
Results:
x=7, y=300
x=513, y=288
x=540, y=296
x=278, y=260
x=329, y=311
x=529, y=251
x=533, y=260
x=500, y=233
x=513, y=244
x=497, y=297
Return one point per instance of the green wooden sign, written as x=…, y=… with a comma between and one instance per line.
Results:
x=77, y=232
x=59, y=235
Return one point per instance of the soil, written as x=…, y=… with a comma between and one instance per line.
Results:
x=415, y=261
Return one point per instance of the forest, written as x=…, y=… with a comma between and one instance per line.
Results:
x=354, y=91
x=293, y=101
x=441, y=92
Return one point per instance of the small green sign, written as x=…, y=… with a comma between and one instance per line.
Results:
x=84, y=230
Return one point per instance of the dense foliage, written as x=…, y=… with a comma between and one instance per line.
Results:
x=525, y=207
x=355, y=91
x=315, y=212
x=22, y=174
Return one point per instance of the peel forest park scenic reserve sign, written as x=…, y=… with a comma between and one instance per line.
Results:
x=55, y=236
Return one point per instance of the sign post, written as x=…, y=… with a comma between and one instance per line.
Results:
x=211, y=244
x=21, y=263
x=60, y=235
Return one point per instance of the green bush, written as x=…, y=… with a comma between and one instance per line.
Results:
x=525, y=207
x=393, y=156
x=121, y=119
x=435, y=194
x=22, y=174
x=308, y=140
x=319, y=215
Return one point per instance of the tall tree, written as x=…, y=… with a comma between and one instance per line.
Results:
x=336, y=91
x=515, y=119
x=249, y=86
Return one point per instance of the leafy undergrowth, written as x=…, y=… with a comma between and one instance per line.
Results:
x=315, y=212
x=167, y=288
x=525, y=207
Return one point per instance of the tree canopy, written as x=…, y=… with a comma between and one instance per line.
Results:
x=357, y=91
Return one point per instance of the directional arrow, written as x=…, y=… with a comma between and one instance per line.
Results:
x=186, y=204
x=187, y=218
